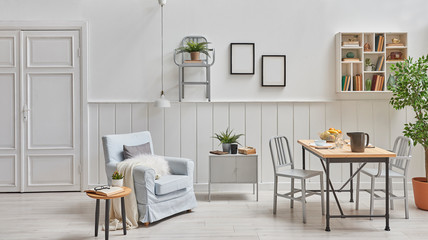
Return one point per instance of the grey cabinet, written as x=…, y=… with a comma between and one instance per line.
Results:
x=233, y=168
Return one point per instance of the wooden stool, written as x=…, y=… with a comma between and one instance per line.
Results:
x=97, y=209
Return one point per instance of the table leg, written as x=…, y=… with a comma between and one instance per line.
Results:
x=97, y=216
x=351, y=187
x=303, y=158
x=107, y=222
x=122, y=203
x=327, y=215
x=387, y=194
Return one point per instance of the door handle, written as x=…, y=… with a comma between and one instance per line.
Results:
x=25, y=111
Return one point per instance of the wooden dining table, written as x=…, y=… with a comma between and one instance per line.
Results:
x=331, y=155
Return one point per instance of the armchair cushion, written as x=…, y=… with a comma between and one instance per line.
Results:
x=133, y=151
x=171, y=183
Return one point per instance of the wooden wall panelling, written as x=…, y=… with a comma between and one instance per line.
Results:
x=106, y=125
x=237, y=120
x=286, y=126
x=123, y=118
x=381, y=124
x=316, y=126
x=301, y=131
x=220, y=121
x=93, y=142
x=188, y=140
x=333, y=118
x=349, y=124
x=140, y=118
x=173, y=130
x=365, y=124
x=417, y=164
x=156, y=128
x=204, y=131
x=269, y=130
x=253, y=129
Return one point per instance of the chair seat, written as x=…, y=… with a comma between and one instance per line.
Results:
x=298, y=173
x=171, y=183
x=373, y=172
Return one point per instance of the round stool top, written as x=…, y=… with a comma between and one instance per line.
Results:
x=118, y=195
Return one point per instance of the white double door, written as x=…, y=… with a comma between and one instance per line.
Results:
x=39, y=111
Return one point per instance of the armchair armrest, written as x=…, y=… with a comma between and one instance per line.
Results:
x=180, y=166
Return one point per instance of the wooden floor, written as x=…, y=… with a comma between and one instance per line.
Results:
x=228, y=216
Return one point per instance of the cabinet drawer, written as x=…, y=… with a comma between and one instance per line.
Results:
x=246, y=169
x=222, y=170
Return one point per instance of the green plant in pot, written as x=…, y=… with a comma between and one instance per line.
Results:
x=411, y=90
x=227, y=138
x=195, y=48
x=117, y=179
x=368, y=65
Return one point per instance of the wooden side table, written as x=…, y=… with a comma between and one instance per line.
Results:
x=97, y=209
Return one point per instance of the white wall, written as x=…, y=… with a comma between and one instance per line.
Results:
x=124, y=41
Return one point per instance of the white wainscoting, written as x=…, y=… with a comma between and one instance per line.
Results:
x=185, y=130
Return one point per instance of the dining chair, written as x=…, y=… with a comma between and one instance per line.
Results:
x=283, y=166
x=398, y=168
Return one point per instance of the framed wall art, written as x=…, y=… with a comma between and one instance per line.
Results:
x=242, y=58
x=273, y=71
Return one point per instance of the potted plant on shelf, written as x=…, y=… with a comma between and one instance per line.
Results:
x=195, y=48
x=411, y=89
x=117, y=179
x=227, y=138
x=368, y=66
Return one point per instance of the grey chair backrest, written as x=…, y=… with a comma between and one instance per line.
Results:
x=281, y=156
x=113, y=148
x=403, y=148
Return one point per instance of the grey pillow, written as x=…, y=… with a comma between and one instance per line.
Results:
x=133, y=151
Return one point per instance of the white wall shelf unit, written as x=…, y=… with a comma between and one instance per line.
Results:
x=393, y=49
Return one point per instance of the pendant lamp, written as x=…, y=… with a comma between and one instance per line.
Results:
x=162, y=102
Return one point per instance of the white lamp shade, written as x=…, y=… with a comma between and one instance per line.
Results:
x=162, y=102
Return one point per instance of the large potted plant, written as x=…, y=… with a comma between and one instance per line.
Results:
x=227, y=138
x=195, y=48
x=411, y=89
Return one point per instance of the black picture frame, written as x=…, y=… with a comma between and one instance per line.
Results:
x=249, y=63
x=274, y=63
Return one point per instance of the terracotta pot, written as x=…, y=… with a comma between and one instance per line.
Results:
x=420, y=191
x=195, y=56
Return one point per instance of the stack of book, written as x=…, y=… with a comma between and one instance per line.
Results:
x=351, y=43
x=358, y=83
x=378, y=82
x=105, y=191
x=346, y=83
x=379, y=41
x=380, y=63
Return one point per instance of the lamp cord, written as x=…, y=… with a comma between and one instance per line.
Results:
x=162, y=48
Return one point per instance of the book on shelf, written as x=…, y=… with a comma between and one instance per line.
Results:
x=351, y=44
x=358, y=83
x=395, y=44
x=106, y=192
x=350, y=59
x=378, y=82
x=380, y=63
x=379, y=40
x=346, y=83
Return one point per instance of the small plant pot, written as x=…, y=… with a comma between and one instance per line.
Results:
x=226, y=147
x=368, y=68
x=234, y=148
x=420, y=192
x=117, y=182
x=195, y=56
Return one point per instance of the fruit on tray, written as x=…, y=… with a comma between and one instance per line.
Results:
x=330, y=135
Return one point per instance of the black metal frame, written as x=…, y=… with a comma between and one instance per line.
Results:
x=326, y=165
x=231, y=57
x=285, y=70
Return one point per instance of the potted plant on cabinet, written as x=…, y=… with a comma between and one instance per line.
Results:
x=227, y=138
x=117, y=179
x=411, y=89
x=195, y=48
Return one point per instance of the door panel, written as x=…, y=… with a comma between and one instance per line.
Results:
x=50, y=122
x=10, y=164
x=223, y=170
x=8, y=173
x=246, y=169
x=50, y=170
x=50, y=50
x=51, y=79
x=7, y=110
